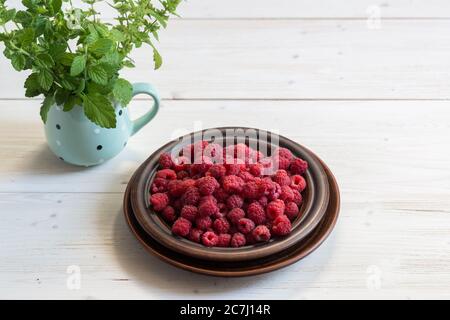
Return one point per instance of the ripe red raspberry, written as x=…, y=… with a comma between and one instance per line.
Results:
x=256, y=213
x=284, y=153
x=272, y=189
x=298, y=199
x=298, y=182
x=223, y=211
x=169, y=214
x=281, y=226
x=210, y=239
x=234, y=166
x=235, y=215
x=207, y=208
x=263, y=201
x=166, y=174
x=252, y=190
x=189, y=212
x=235, y=201
x=191, y=196
x=159, y=201
x=203, y=223
x=214, y=151
x=298, y=166
x=200, y=165
x=207, y=185
x=221, y=225
x=238, y=240
x=286, y=194
x=282, y=178
x=232, y=184
x=208, y=198
x=181, y=163
x=246, y=176
x=256, y=169
x=268, y=166
x=176, y=188
x=291, y=210
x=189, y=183
x=165, y=161
x=275, y=209
x=224, y=240
x=181, y=227
x=261, y=233
x=282, y=163
x=181, y=175
x=220, y=194
x=177, y=204
x=242, y=152
x=195, y=235
x=245, y=225
x=217, y=171
x=159, y=185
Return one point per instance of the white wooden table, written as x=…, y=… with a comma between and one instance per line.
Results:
x=370, y=96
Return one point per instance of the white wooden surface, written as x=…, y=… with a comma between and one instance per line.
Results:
x=373, y=103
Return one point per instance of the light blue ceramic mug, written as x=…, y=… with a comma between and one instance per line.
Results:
x=76, y=140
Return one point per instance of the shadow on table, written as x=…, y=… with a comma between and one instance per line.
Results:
x=152, y=273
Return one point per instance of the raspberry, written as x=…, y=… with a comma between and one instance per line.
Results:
x=272, y=189
x=183, y=174
x=234, y=201
x=245, y=225
x=159, y=185
x=201, y=165
x=207, y=208
x=252, y=190
x=165, y=161
x=268, y=166
x=214, y=151
x=291, y=210
x=298, y=199
x=261, y=233
x=221, y=225
x=256, y=169
x=246, y=176
x=189, y=183
x=256, y=213
x=181, y=227
x=275, y=209
x=224, y=240
x=242, y=151
x=217, y=171
x=159, y=201
x=223, y=210
x=232, y=184
x=181, y=163
x=286, y=194
x=281, y=226
x=191, y=196
x=207, y=185
x=282, y=163
x=208, y=198
x=235, y=215
x=263, y=201
x=298, y=183
x=189, y=212
x=195, y=235
x=166, y=174
x=176, y=188
x=203, y=223
x=233, y=166
x=282, y=178
x=238, y=240
x=298, y=166
x=210, y=239
x=169, y=214
x=283, y=153
x=177, y=204
x=220, y=194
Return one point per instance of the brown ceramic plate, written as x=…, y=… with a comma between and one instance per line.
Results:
x=314, y=206
x=241, y=268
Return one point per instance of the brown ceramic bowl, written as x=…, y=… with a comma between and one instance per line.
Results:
x=316, y=198
x=244, y=268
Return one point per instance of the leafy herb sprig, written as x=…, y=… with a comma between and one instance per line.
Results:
x=74, y=57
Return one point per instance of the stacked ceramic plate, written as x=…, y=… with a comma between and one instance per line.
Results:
x=318, y=214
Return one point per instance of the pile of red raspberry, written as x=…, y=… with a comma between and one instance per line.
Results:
x=221, y=196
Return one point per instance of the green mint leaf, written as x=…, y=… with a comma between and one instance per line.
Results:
x=101, y=46
x=18, y=62
x=61, y=96
x=68, y=83
x=32, y=86
x=46, y=105
x=157, y=58
x=66, y=59
x=99, y=110
x=78, y=66
x=98, y=74
x=56, y=5
x=44, y=60
x=45, y=79
x=71, y=102
x=123, y=91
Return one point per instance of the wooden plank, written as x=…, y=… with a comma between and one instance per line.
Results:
x=292, y=60
x=380, y=249
x=378, y=150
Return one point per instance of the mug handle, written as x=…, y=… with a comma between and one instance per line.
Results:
x=148, y=89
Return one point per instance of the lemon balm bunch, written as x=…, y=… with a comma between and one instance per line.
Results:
x=75, y=57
